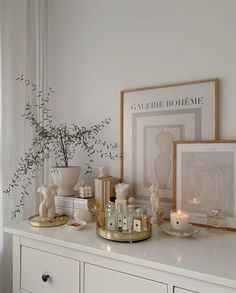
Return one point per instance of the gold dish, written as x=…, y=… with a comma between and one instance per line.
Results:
x=58, y=220
x=124, y=237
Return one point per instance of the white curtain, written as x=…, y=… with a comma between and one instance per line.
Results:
x=20, y=53
x=1, y=202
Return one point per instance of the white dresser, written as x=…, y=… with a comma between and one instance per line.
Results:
x=48, y=260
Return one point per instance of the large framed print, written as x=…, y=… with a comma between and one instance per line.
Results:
x=151, y=119
x=205, y=178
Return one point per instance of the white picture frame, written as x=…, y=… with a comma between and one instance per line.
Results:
x=182, y=111
x=205, y=178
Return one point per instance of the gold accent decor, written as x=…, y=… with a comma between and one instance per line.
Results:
x=124, y=237
x=58, y=220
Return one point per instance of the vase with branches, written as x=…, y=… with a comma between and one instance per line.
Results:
x=54, y=141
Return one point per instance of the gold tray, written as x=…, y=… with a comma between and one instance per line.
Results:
x=124, y=237
x=58, y=220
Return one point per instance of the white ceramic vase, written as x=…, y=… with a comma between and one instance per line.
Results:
x=65, y=178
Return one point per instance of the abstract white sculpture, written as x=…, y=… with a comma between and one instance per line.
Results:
x=47, y=206
x=157, y=211
x=154, y=198
x=101, y=171
x=121, y=190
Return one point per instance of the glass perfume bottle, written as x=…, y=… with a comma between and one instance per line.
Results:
x=137, y=220
x=119, y=217
x=110, y=219
x=130, y=215
x=144, y=220
x=125, y=220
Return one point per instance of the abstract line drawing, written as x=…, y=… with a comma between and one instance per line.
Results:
x=208, y=182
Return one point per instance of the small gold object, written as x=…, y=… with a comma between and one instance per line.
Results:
x=96, y=207
x=124, y=237
x=58, y=220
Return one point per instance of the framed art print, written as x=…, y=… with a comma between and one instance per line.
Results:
x=151, y=119
x=205, y=179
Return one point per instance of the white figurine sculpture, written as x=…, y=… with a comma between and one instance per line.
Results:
x=157, y=211
x=121, y=190
x=154, y=198
x=47, y=206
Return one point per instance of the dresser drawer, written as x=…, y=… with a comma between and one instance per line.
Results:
x=61, y=274
x=102, y=280
x=180, y=290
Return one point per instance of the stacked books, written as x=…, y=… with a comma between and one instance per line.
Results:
x=69, y=204
x=104, y=189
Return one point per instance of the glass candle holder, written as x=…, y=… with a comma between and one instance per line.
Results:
x=179, y=220
x=216, y=221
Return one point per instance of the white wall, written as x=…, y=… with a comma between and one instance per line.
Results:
x=18, y=46
x=97, y=48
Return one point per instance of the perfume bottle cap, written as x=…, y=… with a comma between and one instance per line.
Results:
x=110, y=204
x=139, y=211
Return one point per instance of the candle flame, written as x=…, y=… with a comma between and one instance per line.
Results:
x=179, y=212
x=108, y=248
x=179, y=259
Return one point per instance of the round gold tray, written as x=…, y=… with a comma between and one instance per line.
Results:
x=58, y=220
x=124, y=237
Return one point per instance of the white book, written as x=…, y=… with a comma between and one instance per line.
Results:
x=64, y=201
x=66, y=211
x=78, y=200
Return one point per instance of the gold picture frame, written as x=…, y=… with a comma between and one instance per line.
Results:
x=195, y=118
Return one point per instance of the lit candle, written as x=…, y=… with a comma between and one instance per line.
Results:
x=195, y=201
x=179, y=220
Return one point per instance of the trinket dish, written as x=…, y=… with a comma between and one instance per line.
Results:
x=190, y=231
x=58, y=220
x=76, y=225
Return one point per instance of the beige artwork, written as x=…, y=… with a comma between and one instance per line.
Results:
x=163, y=162
x=151, y=119
x=152, y=149
x=208, y=182
x=157, y=154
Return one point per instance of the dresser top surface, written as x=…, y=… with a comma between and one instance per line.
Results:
x=209, y=256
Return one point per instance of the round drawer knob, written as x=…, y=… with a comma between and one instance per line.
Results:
x=45, y=277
